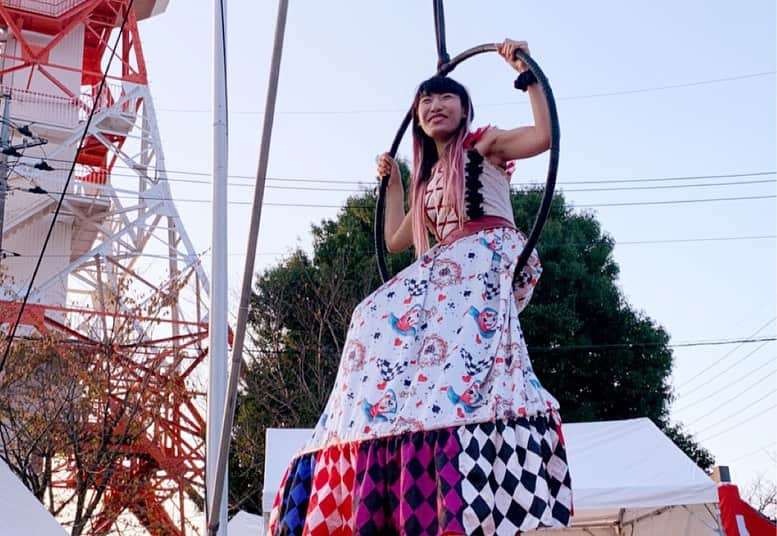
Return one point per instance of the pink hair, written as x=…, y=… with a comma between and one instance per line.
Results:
x=452, y=167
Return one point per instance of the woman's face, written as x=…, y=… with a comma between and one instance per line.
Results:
x=440, y=114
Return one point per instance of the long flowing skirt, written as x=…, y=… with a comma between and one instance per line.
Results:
x=437, y=422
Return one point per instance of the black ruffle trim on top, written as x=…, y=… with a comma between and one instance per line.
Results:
x=473, y=199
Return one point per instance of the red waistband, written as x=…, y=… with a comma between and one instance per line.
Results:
x=475, y=226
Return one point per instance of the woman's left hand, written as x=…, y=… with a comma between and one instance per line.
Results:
x=508, y=48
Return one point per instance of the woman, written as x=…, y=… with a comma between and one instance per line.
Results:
x=437, y=423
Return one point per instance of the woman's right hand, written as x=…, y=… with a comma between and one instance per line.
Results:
x=388, y=166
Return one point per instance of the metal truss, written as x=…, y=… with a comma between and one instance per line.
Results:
x=132, y=269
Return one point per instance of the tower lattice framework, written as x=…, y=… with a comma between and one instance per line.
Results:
x=120, y=271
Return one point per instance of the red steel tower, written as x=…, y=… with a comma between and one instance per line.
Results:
x=119, y=234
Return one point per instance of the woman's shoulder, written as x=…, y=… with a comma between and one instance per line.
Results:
x=476, y=136
x=478, y=139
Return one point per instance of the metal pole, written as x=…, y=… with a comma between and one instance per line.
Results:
x=4, y=144
x=248, y=270
x=217, y=329
x=439, y=33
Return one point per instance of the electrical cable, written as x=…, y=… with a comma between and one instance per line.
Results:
x=549, y=349
x=541, y=246
x=771, y=361
x=746, y=421
x=724, y=371
x=649, y=89
x=724, y=356
x=529, y=181
x=722, y=421
x=571, y=205
x=736, y=396
x=628, y=345
x=131, y=194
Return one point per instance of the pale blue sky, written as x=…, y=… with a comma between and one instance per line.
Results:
x=350, y=68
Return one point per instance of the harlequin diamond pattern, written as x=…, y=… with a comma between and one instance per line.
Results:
x=515, y=477
x=331, y=508
x=491, y=478
x=409, y=485
x=294, y=504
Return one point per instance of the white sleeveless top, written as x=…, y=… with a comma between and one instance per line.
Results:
x=494, y=187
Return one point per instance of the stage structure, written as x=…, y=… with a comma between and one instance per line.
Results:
x=120, y=269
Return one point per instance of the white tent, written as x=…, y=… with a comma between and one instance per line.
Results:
x=20, y=511
x=628, y=475
x=628, y=479
x=245, y=524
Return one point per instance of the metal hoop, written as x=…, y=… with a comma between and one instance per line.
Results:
x=550, y=182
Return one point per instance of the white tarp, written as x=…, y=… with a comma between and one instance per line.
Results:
x=624, y=473
x=20, y=511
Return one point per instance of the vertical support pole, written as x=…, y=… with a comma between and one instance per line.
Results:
x=218, y=351
x=172, y=259
x=4, y=144
x=248, y=269
x=101, y=297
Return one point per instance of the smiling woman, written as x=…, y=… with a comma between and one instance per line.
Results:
x=437, y=423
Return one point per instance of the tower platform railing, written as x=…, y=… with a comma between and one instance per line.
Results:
x=61, y=110
x=51, y=8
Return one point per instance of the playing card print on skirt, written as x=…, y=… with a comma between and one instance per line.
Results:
x=431, y=354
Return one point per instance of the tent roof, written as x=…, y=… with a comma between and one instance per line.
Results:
x=20, y=511
x=245, y=524
x=631, y=464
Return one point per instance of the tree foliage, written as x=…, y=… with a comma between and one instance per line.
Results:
x=600, y=357
x=77, y=419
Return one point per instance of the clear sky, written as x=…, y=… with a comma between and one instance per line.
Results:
x=349, y=71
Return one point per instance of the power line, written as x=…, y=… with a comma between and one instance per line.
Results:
x=742, y=457
x=709, y=367
x=665, y=186
x=675, y=202
x=529, y=181
x=541, y=246
x=537, y=349
x=589, y=205
x=630, y=345
x=683, y=408
x=340, y=206
x=675, y=178
x=709, y=412
x=723, y=420
x=687, y=240
x=364, y=188
x=745, y=421
x=544, y=246
x=671, y=86
x=649, y=89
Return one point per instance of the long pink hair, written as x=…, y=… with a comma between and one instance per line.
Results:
x=425, y=157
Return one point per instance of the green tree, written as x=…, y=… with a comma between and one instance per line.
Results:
x=601, y=358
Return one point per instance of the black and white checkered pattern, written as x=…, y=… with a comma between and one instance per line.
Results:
x=491, y=284
x=416, y=288
x=515, y=477
x=475, y=366
x=389, y=370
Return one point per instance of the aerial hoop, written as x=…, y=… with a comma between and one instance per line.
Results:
x=443, y=68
